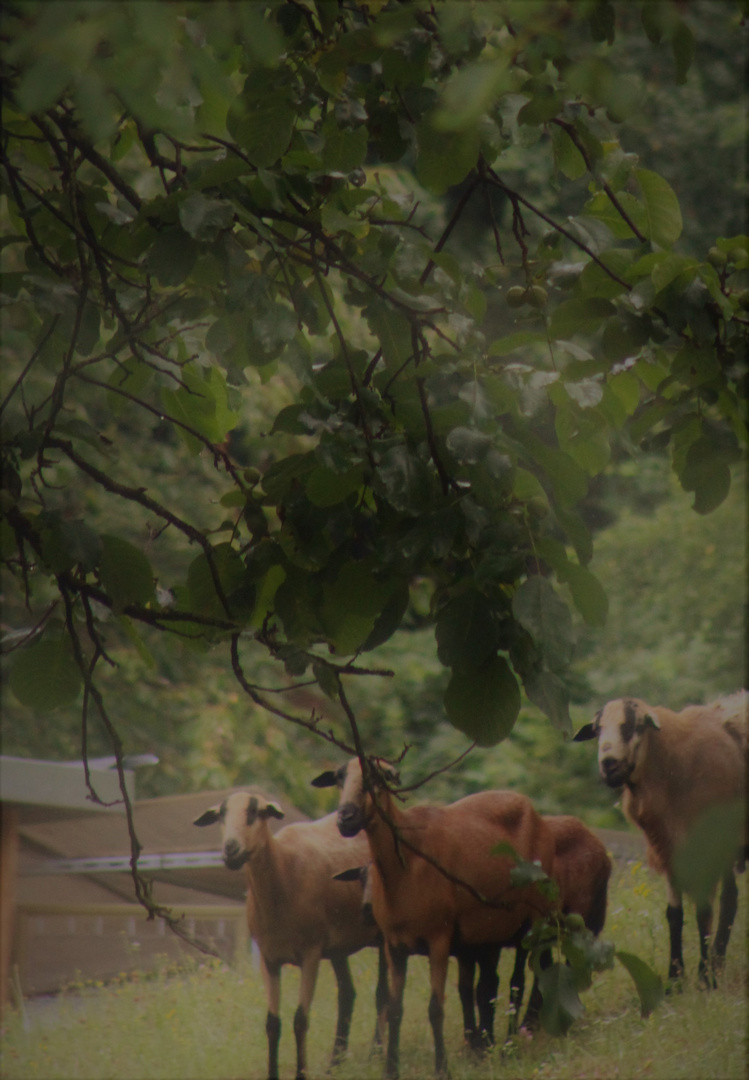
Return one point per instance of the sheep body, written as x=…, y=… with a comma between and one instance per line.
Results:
x=581, y=868
x=419, y=908
x=297, y=913
x=684, y=774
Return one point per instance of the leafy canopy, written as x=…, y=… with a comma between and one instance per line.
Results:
x=201, y=200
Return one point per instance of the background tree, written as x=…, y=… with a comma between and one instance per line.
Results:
x=270, y=393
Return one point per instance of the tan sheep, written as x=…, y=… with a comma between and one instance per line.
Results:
x=296, y=912
x=684, y=779
x=418, y=908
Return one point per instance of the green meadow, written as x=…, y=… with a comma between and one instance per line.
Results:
x=208, y=1021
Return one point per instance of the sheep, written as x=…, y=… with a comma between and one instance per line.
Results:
x=581, y=869
x=436, y=887
x=296, y=912
x=684, y=777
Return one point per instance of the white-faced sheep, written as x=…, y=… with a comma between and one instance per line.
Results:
x=581, y=869
x=297, y=913
x=684, y=779
x=432, y=873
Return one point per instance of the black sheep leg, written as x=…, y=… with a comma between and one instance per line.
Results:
x=346, y=996
x=729, y=902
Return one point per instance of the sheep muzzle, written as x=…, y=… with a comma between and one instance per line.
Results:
x=614, y=772
x=350, y=820
x=234, y=857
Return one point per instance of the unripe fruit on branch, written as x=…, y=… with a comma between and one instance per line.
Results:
x=516, y=296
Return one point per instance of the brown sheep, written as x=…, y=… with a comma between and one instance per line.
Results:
x=296, y=912
x=417, y=906
x=684, y=778
x=581, y=868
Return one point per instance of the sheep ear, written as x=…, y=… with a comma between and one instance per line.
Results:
x=651, y=721
x=326, y=779
x=356, y=874
x=586, y=732
x=271, y=810
x=210, y=817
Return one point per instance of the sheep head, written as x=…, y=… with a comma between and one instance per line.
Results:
x=356, y=805
x=242, y=817
x=619, y=727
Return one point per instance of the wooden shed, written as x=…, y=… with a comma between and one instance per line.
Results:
x=68, y=905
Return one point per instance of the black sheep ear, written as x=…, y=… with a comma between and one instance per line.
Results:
x=210, y=817
x=651, y=721
x=349, y=875
x=586, y=732
x=270, y=810
x=326, y=779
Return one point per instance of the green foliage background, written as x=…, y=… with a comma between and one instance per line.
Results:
x=332, y=327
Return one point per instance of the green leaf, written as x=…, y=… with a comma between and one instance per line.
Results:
x=561, y=1001
x=579, y=317
x=67, y=543
x=684, y=48
x=470, y=92
x=707, y=474
x=527, y=873
x=465, y=631
x=567, y=157
x=204, y=218
x=263, y=131
x=231, y=573
x=648, y=984
x=547, y=691
x=345, y=149
x=126, y=573
x=588, y=594
x=44, y=676
x=352, y=603
x=663, y=215
x=505, y=345
x=483, y=702
x=327, y=488
x=327, y=679
x=172, y=256
x=445, y=158
x=405, y=481
x=393, y=331
x=539, y=610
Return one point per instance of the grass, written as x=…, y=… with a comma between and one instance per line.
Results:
x=209, y=1022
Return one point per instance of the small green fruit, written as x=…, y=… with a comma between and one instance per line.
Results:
x=537, y=296
x=575, y=922
x=717, y=258
x=516, y=296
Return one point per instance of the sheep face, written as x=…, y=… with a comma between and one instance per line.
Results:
x=619, y=727
x=241, y=816
x=356, y=805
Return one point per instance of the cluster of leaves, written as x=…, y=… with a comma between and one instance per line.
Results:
x=200, y=196
x=565, y=954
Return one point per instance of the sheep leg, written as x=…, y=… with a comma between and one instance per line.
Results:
x=486, y=994
x=397, y=960
x=346, y=996
x=536, y=1000
x=272, y=979
x=675, y=920
x=382, y=997
x=309, y=968
x=729, y=902
x=704, y=926
x=439, y=955
x=517, y=989
x=466, y=974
